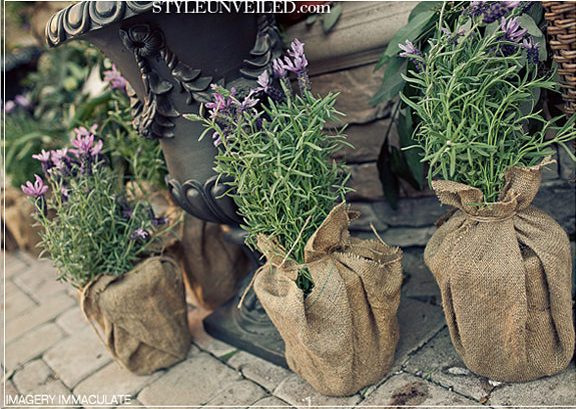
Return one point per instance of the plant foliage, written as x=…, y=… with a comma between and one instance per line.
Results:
x=477, y=87
x=276, y=159
x=89, y=227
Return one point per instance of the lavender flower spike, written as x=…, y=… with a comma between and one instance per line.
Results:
x=23, y=101
x=512, y=30
x=115, y=79
x=43, y=156
x=82, y=131
x=409, y=50
x=140, y=234
x=412, y=53
x=264, y=81
x=9, y=106
x=492, y=10
x=216, y=138
x=248, y=102
x=278, y=68
x=38, y=189
x=532, y=50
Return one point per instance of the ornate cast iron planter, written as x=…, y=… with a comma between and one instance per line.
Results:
x=171, y=60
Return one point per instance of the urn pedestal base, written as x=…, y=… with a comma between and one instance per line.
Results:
x=247, y=328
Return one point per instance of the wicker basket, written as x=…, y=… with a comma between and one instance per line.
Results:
x=561, y=31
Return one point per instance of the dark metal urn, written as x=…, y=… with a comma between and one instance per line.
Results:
x=171, y=60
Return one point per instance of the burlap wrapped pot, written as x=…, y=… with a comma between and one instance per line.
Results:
x=141, y=316
x=343, y=335
x=504, y=271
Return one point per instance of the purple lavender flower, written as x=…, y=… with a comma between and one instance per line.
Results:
x=409, y=50
x=116, y=80
x=36, y=190
x=296, y=48
x=222, y=101
x=278, y=68
x=532, y=50
x=218, y=105
x=64, y=193
x=22, y=101
x=248, y=102
x=97, y=148
x=216, y=138
x=82, y=131
x=59, y=156
x=412, y=53
x=264, y=81
x=84, y=143
x=266, y=86
x=477, y=8
x=492, y=10
x=512, y=30
x=297, y=64
x=9, y=106
x=140, y=235
x=43, y=156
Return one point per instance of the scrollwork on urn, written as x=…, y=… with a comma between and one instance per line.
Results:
x=207, y=201
x=154, y=117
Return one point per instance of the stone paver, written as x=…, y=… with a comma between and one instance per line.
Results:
x=32, y=345
x=77, y=357
x=57, y=390
x=17, y=302
x=298, y=392
x=260, y=371
x=559, y=389
x=72, y=321
x=408, y=236
x=37, y=316
x=131, y=403
x=11, y=389
x=211, y=345
x=270, y=401
x=408, y=390
x=40, y=281
x=420, y=283
x=192, y=382
x=114, y=380
x=14, y=264
x=439, y=362
x=32, y=376
x=243, y=393
x=418, y=323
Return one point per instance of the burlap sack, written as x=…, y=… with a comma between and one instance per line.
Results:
x=343, y=335
x=213, y=267
x=505, y=275
x=22, y=232
x=141, y=316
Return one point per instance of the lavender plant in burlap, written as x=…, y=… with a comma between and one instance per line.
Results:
x=504, y=271
x=141, y=315
x=343, y=335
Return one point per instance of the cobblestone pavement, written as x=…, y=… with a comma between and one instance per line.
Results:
x=52, y=351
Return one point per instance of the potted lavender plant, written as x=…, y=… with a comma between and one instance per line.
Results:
x=333, y=298
x=503, y=266
x=110, y=249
